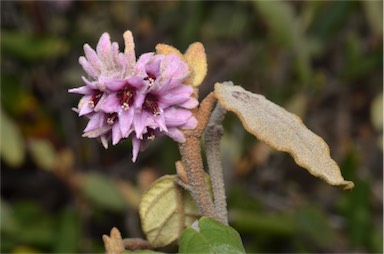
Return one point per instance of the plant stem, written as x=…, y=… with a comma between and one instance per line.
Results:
x=213, y=134
x=191, y=157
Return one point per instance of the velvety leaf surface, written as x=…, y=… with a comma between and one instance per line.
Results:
x=282, y=130
x=211, y=237
x=197, y=60
x=165, y=210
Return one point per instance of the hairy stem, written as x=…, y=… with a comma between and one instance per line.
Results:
x=191, y=158
x=213, y=134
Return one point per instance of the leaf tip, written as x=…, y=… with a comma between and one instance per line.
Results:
x=197, y=60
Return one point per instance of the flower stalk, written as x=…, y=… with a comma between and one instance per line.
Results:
x=191, y=157
x=213, y=134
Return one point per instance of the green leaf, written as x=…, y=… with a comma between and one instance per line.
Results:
x=285, y=28
x=165, y=210
x=313, y=226
x=12, y=147
x=211, y=237
x=103, y=192
x=9, y=224
x=43, y=153
x=140, y=252
x=29, y=47
x=68, y=234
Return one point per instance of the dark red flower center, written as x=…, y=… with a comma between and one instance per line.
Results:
x=150, y=78
x=150, y=104
x=95, y=98
x=111, y=118
x=126, y=96
x=150, y=135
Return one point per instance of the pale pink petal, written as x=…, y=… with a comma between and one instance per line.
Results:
x=139, y=123
x=103, y=48
x=173, y=67
x=176, y=117
x=176, y=135
x=110, y=104
x=125, y=121
x=135, y=148
x=84, y=107
x=104, y=141
x=161, y=122
x=81, y=90
x=115, y=85
x=139, y=100
x=153, y=68
x=93, y=59
x=136, y=82
x=190, y=124
x=189, y=104
x=89, y=83
x=98, y=132
x=116, y=134
x=89, y=69
x=96, y=121
x=101, y=102
x=140, y=65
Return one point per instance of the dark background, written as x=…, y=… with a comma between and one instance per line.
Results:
x=322, y=60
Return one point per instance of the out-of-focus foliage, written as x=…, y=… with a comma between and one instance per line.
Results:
x=321, y=59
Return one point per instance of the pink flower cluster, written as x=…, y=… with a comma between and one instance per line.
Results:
x=140, y=100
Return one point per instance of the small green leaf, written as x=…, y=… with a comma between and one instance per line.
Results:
x=43, y=153
x=12, y=144
x=29, y=47
x=312, y=226
x=68, y=232
x=165, y=210
x=103, y=192
x=287, y=29
x=211, y=237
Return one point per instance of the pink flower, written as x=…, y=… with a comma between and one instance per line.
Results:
x=139, y=100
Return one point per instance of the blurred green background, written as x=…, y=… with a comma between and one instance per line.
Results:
x=322, y=60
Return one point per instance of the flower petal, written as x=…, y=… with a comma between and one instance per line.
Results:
x=139, y=123
x=159, y=119
x=115, y=85
x=116, y=134
x=135, y=148
x=125, y=121
x=189, y=104
x=190, y=124
x=81, y=90
x=140, y=65
x=89, y=69
x=173, y=67
x=176, y=135
x=103, y=49
x=96, y=121
x=92, y=85
x=110, y=104
x=176, y=117
x=84, y=107
x=93, y=59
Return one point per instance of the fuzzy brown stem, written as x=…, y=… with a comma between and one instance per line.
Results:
x=191, y=157
x=213, y=134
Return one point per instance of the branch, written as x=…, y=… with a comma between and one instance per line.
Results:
x=191, y=158
x=213, y=134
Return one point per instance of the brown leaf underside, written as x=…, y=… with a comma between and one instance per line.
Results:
x=281, y=130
